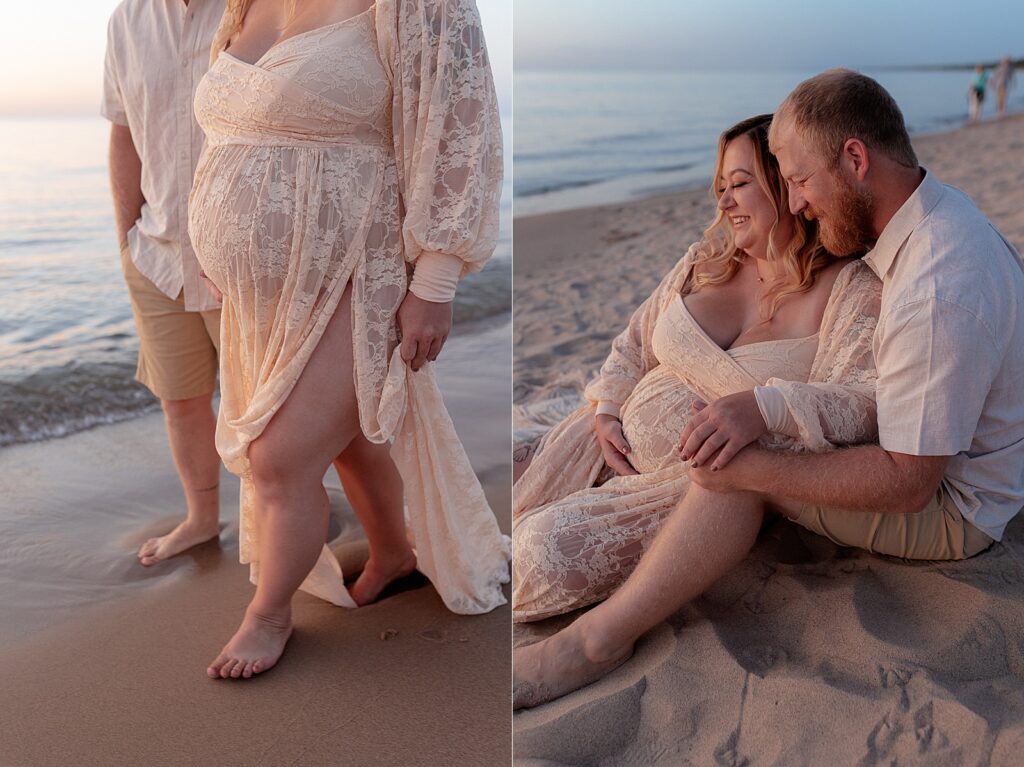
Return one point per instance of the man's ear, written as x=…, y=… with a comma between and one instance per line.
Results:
x=854, y=157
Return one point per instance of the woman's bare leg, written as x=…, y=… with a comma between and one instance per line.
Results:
x=288, y=461
x=374, y=488
x=705, y=537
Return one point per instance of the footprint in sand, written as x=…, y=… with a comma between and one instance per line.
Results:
x=728, y=754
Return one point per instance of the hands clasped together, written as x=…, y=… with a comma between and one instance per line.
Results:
x=711, y=439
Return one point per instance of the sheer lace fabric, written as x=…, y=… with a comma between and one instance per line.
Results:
x=339, y=156
x=579, y=529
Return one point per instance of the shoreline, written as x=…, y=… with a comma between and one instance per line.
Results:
x=104, y=661
x=682, y=189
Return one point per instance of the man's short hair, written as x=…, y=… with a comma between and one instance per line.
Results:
x=841, y=104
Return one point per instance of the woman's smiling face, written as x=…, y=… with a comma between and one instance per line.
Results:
x=743, y=201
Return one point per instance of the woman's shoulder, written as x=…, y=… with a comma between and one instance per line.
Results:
x=852, y=281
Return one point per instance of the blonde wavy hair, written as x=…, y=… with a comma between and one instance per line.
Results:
x=231, y=23
x=801, y=258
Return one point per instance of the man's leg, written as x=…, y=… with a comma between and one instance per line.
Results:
x=178, y=363
x=191, y=426
x=706, y=536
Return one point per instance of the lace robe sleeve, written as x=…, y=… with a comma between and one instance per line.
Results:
x=447, y=137
x=837, y=405
x=631, y=355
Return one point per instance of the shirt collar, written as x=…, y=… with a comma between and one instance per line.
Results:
x=927, y=195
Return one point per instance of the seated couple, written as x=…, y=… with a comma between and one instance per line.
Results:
x=872, y=400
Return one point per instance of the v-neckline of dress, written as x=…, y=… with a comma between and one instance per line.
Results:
x=279, y=43
x=709, y=339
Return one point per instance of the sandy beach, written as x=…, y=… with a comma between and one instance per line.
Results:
x=103, y=661
x=808, y=653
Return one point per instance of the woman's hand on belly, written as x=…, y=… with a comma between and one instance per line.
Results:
x=725, y=427
x=614, y=446
x=424, y=326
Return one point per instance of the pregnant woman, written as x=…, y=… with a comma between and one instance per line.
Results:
x=347, y=144
x=758, y=303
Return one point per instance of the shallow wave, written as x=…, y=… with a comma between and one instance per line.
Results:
x=58, y=400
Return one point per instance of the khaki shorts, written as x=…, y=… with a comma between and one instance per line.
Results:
x=177, y=348
x=937, y=532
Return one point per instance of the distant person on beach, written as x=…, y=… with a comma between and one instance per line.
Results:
x=976, y=93
x=352, y=174
x=156, y=54
x=948, y=474
x=1002, y=81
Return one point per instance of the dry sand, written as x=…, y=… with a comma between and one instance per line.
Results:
x=103, y=661
x=808, y=654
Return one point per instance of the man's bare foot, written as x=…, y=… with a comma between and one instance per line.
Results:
x=255, y=647
x=556, y=666
x=183, y=537
x=378, y=573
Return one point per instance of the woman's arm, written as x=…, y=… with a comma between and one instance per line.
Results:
x=447, y=137
x=835, y=407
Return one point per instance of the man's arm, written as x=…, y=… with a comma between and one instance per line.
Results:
x=125, y=181
x=863, y=478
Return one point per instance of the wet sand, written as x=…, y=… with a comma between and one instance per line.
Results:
x=103, y=661
x=808, y=653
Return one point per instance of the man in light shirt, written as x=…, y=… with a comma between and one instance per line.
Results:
x=948, y=474
x=157, y=51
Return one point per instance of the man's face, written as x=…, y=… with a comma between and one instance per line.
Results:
x=843, y=212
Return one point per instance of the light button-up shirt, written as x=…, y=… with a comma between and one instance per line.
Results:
x=157, y=52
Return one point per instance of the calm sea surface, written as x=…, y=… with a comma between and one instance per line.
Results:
x=585, y=138
x=67, y=338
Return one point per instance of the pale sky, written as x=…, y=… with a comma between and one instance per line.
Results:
x=757, y=34
x=52, y=56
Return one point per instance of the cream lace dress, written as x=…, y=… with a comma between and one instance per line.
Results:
x=339, y=156
x=579, y=529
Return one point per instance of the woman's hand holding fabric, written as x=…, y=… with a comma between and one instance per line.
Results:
x=424, y=327
x=614, y=446
x=725, y=427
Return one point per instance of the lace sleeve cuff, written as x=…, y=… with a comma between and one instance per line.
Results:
x=607, y=407
x=775, y=411
x=436, y=276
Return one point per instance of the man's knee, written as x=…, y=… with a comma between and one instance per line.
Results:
x=179, y=409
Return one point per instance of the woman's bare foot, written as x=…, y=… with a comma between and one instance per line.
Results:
x=379, y=572
x=255, y=647
x=183, y=537
x=560, y=664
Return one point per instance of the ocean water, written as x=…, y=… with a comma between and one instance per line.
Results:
x=67, y=337
x=586, y=138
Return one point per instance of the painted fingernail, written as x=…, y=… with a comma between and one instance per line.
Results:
x=714, y=468
x=695, y=465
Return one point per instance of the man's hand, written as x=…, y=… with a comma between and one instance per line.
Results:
x=614, y=446
x=424, y=327
x=725, y=427
x=214, y=290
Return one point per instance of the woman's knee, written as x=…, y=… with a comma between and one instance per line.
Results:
x=276, y=465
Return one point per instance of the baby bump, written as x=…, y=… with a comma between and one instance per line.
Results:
x=654, y=416
x=257, y=214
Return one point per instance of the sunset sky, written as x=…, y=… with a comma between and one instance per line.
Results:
x=53, y=57
x=755, y=34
